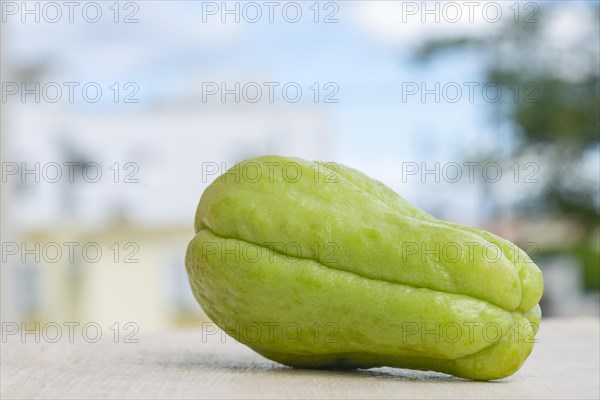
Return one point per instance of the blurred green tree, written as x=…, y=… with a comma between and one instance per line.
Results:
x=554, y=116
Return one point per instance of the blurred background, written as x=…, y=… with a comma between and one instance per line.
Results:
x=116, y=115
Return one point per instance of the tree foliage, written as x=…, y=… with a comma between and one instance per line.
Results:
x=560, y=123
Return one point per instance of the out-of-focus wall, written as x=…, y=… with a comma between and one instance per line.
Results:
x=113, y=124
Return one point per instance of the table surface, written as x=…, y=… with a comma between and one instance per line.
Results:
x=180, y=364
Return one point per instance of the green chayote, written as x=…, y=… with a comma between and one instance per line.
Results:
x=316, y=265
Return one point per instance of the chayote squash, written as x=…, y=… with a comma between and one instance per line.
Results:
x=316, y=265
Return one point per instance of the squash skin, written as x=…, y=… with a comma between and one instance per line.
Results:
x=316, y=265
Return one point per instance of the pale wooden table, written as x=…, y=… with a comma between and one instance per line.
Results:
x=564, y=364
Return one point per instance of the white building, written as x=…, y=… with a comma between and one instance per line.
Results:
x=151, y=202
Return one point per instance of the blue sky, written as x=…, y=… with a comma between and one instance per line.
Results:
x=367, y=54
